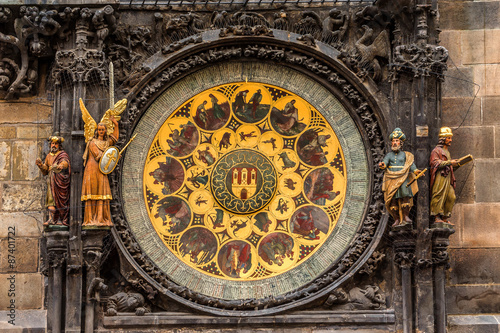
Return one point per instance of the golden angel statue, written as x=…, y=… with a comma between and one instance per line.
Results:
x=96, y=192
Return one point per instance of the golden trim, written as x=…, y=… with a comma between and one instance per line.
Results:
x=96, y=197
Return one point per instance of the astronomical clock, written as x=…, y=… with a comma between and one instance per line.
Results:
x=244, y=182
x=244, y=189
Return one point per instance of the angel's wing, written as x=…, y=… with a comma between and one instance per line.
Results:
x=116, y=112
x=90, y=124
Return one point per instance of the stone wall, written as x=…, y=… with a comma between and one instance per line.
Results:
x=471, y=33
x=24, y=126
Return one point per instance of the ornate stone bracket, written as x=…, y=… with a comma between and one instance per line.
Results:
x=440, y=243
x=419, y=60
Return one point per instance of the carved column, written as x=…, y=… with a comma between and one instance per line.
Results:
x=57, y=248
x=404, y=257
x=92, y=251
x=440, y=242
x=417, y=70
x=78, y=66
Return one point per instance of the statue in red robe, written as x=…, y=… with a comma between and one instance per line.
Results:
x=57, y=167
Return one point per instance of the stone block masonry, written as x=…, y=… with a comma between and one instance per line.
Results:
x=471, y=33
x=24, y=127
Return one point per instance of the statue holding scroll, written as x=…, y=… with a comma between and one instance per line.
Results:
x=442, y=177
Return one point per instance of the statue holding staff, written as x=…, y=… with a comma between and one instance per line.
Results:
x=57, y=167
x=398, y=185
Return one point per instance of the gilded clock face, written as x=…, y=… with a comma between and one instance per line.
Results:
x=244, y=181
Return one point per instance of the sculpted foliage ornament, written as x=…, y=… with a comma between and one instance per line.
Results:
x=419, y=60
x=30, y=39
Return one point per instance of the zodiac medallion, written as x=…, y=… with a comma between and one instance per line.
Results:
x=244, y=181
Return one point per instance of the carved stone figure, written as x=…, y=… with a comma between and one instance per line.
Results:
x=442, y=178
x=357, y=298
x=126, y=302
x=95, y=188
x=400, y=171
x=335, y=26
x=379, y=48
x=57, y=167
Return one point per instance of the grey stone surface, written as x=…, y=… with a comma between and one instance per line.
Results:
x=26, y=224
x=475, y=266
x=456, y=240
x=491, y=107
x=28, y=290
x=475, y=140
x=22, y=197
x=459, y=83
x=497, y=141
x=24, y=111
x=26, y=255
x=461, y=111
x=25, y=321
x=480, y=225
x=469, y=15
x=383, y=319
x=5, y=153
x=487, y=180
x=24, y=154
x=466, y=185
x=474, y=324
x=473, y=299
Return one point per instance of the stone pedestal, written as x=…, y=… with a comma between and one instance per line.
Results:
x=92, y=240
x=403, y=244
x=440, y=260
x=57, y=248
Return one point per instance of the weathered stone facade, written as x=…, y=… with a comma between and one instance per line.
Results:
x=25, y=125
x=469, y=32
x=158, y=45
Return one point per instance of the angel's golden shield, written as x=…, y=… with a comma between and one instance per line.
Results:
x=109, y=160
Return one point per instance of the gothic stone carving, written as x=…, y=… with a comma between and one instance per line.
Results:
x=367, y=298
x=404, y=247
x=419, y=60
x=373, y=263
x=30, y=40
x=440, y=243
x=126, y=302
